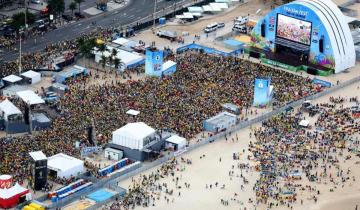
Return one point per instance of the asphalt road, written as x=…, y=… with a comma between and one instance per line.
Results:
x=135, y=10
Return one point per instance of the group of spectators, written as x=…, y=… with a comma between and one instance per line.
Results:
x=287, y=152
x=181, y=103
x=147, y=189
x=43, y=58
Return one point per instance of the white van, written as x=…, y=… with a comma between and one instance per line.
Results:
x=211, y=27
x=239, y=28
x=241, y=20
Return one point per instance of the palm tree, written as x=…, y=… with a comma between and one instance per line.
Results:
x=103, y=61
x=114, y=52
x=118, y=63
x=72, y=7
x=79, y=2
x=101, y=48
x=110, y=61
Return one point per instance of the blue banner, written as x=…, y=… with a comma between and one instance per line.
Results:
x=154, y=62
x=321, y=82
x=262, y=92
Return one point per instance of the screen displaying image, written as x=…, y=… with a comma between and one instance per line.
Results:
x=293, y=29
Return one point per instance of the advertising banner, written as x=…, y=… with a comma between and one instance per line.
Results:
x=261, y=92
x=153, y=62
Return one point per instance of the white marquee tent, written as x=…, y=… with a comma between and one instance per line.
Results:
x=128, y=58
x=35, y=77
x=132, y=135
x=177, y=140
x=133, y=112
x=12, y=78
x=65, y=165
x=9, y=109
x=30, y=97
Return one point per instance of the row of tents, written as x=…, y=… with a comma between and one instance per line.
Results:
x=215, y=7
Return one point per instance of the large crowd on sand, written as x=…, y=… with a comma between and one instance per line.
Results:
x=286, y=152
x=292, y=161
x=180, y=103
x=148, y=189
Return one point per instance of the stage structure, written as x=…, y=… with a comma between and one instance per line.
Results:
x=263, y=92
x=310, y=35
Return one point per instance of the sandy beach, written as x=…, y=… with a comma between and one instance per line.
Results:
x=218, y=163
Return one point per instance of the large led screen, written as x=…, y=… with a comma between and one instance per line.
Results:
x=293, y=29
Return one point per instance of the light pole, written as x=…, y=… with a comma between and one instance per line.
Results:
x=20, y=66
x=154, y=13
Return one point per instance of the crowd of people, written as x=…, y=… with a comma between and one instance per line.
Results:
x=287, y=152
x=147, y=189
x=180, y=103
x=41, y=59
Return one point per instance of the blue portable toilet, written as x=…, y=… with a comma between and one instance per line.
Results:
x=162, y=21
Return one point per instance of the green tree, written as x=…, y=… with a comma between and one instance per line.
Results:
x=110, y=61
x=101, y=48
x=118, y=63
x=18, y=19
x=56, y=7
x=72, y=7
x=103, y=61
x=79, y=2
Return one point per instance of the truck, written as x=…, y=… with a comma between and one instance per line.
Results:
x=167, y=34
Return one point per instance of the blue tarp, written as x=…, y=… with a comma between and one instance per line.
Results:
x=234, y=43
x=100, y=195
x=208, y=50
x=321, y=82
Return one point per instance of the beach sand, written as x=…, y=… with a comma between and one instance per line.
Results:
x=208, y=170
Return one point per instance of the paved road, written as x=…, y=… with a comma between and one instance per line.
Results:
x=135, y=10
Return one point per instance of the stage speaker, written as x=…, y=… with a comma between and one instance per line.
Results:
x=321, y=45
x=90, y=135
x=311, y=70
x=26, y=115
x=39, y=173
x=263, y=30
x=254, y=54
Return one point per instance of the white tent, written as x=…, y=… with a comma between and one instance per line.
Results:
x=196, y=14
x=207, y=8
x=128, y=58
x=38, y=155
x=188, y=15
x=177, y=140
x=132, y=135
x=219, y=5
x=120, y=41
x=215, y=8
x=167, y=65
x=195, y=9
x=65, y=165
x=13, y=191
x=304, y=123
x=12, y=78
x=35, y=77
x=8, y=109
x=30, y=97
x=133, y=112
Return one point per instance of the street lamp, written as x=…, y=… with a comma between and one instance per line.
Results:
x=154, y=13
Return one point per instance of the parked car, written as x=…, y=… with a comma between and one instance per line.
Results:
x=211, y=27
x=79, y=15
x=51, y=97
x=241, y=20
x=67, y=17
x=221, y=25
x=240, y=28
